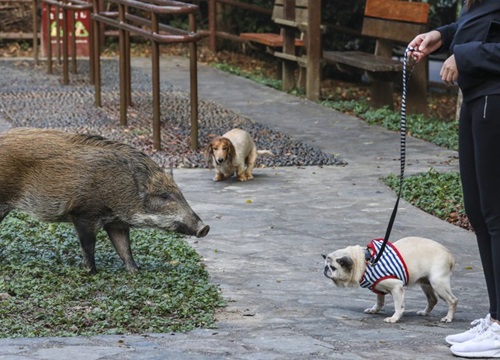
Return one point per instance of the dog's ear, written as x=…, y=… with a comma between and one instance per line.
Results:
x=231, y=151
x=324, y=256
x=208, y=153
x=346, y=262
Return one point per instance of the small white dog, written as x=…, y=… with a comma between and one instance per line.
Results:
x=233, y=152
x=411, y=260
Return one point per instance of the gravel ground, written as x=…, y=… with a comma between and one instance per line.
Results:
x=29, y=97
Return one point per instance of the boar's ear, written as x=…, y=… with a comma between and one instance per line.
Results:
x=345, y=262
x=141, y=181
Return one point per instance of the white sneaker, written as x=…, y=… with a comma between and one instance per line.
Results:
x=485, y=345
x=478, y=327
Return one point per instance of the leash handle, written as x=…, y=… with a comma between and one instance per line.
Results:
x=402, y=153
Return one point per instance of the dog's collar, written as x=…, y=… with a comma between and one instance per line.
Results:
x=368, y=254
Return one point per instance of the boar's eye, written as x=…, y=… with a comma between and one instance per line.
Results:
x=165, y=196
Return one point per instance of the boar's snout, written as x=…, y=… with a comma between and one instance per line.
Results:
x=203, y=231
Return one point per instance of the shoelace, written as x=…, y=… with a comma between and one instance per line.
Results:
x=486, y=333
x=480, y=324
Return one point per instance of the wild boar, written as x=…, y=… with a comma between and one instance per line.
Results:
x=93, y=183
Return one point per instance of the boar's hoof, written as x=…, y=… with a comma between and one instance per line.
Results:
x=132, y=269
x=203, y=231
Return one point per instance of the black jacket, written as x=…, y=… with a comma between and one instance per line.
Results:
x=475, y=41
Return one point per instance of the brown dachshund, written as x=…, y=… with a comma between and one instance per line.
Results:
x=233, y=152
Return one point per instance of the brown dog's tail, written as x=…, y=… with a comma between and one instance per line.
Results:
x=265, y=153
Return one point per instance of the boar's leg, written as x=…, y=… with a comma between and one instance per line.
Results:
x=86, y=231
x=119, y=234
x=3, y=212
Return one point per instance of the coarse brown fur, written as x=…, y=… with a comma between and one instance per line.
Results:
x=93, y=183
x=233, y=152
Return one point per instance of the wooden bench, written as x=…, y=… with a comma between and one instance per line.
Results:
x=273, y=40
x=292, y=45
x=391, y=22
x=270, y=40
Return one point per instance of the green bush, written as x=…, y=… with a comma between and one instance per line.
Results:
x=439, y=132
x=439, y=194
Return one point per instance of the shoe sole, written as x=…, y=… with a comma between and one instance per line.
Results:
x=457, y=342
x=481, y=354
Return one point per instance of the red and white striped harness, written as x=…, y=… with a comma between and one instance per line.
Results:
x=390, y=266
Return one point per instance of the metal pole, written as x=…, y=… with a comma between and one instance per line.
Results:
x=73, y=42
x=123, y=77
x=127, y=66
x=155, y=54
x=35, y=31
x=96, y=56
x=65, y=47
x=193, y=73
x=49, y=41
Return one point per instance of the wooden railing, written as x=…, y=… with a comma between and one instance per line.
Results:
x=148, y=26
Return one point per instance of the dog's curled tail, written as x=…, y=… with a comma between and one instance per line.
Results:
x=265, y=153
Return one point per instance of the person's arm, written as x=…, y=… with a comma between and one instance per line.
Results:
x=432, y=41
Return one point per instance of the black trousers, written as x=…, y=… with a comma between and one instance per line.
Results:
x=479, y=154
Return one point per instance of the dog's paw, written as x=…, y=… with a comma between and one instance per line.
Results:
x=422, y=313
x=447, y=319
x=391, y=320
x=373, y=310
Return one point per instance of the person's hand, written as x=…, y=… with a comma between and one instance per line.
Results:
x=424, y=44
x=449, y=71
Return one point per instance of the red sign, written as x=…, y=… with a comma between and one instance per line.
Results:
x=78, y=20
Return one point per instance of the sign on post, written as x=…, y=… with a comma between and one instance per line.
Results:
x=79, y=20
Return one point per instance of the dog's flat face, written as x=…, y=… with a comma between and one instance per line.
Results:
x=344, y=266
x=221, y=149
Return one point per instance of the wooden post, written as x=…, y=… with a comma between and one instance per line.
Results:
x=212, y=27
x=417, y=89
x=288, y=67
x=382, y=91
x=313, y=43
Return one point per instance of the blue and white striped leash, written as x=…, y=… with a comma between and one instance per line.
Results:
x=406, y=78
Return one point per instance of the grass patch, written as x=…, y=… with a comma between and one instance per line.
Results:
x=440, y=132
x=439, y=194
x=49, y=294
x=254, y=76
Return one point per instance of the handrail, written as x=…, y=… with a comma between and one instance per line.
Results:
x=157, y=33
x=161, y=38
x=67, y=7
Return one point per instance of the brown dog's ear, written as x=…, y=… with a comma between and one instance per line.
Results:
x=208, y=153
x=231, y=152
x=345, y=262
